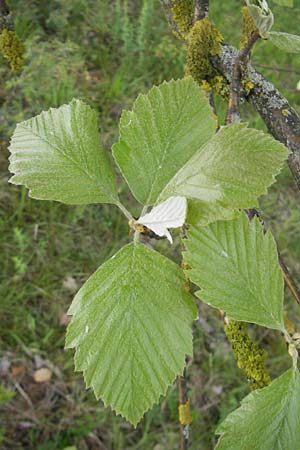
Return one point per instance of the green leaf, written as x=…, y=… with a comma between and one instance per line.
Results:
x=203, y=213
x=57, y=156
x=289, y=43
x=288, y=3
x=268, y=419
x=261, y=15
x=236, y=266
x=131, y=338
x=233, y=168
x=164, y=129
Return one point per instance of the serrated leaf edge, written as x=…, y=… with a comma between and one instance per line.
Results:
x=91, y=385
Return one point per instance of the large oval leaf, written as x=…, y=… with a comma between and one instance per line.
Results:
x=58, y=157
x=268, y=419
x=130, y=337
x=286, y=42
x=233, y=168
x=164, y=129
x=236, y=266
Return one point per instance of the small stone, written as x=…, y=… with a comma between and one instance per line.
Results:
x=217, y=389
x=70, y=284
x=42, y=375
x=4, y=366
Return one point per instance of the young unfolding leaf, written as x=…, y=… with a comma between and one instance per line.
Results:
x=58, y=157
x=268, y=419
x=236, y=266
x=164, y=129
x=261, y=14
x=289, y=43
x=169, y=214
x=233, y=168
x=130, y=337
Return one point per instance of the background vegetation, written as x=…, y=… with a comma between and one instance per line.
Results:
x=106, y=52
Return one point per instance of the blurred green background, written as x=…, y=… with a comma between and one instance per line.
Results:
x=106, y=52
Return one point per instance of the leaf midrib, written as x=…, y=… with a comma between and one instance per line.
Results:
x=165, y=150
x=132, y=300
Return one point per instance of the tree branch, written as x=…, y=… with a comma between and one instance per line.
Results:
x=167, y=5
x=180, y=19
x=280, y=118
x=236, y=78
x=4, y=10
x=289, y=280
x=201, y=9
x=184, y=412
x=5, y=17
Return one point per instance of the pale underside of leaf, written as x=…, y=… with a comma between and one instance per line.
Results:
x=57, y=156
x=289, y=43
x=236, y=266
x=268, y=419
x=261, y=15
x=169, y=214
x=131, y=339
x=164, y=129
x=235, y=167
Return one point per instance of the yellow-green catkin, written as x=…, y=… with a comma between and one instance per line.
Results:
x=182, y=15
x=12, y=49
x=249, y=356
x=248, y=26
x=204, y=40
x=184, y=410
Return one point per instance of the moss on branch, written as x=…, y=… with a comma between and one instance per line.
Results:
x=182, y=15
x=12, y=49
x=204, y=41
x=248, y=26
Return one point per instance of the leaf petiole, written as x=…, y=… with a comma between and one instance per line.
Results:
x=124, y=210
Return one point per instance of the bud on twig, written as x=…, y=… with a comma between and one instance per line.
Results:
x=262, y=16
